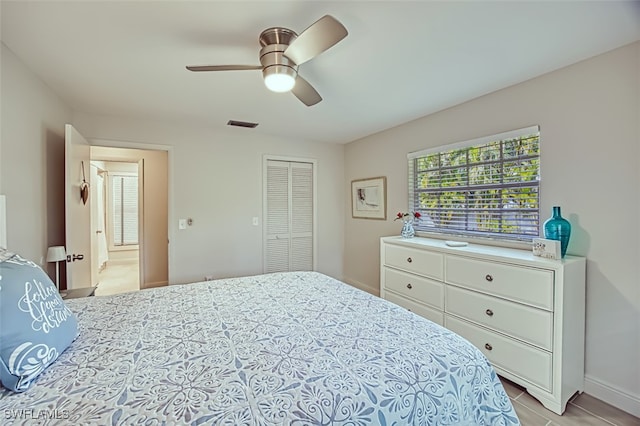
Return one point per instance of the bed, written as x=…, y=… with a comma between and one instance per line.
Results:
x=296, y=348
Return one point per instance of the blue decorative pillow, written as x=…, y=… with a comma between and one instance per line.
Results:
x=35, y=324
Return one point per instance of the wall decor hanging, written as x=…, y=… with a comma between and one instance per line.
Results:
x=369, y=198
x=84, y=187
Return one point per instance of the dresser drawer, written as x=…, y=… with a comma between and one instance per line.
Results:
x=422, y=310
x=523, y=322
x=519, y=283
x=419, y=288
x=423, y=262
x=531, y=364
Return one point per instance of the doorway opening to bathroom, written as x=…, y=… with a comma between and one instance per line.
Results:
x=115, y=210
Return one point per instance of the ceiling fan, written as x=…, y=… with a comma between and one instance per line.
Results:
x=283, y=51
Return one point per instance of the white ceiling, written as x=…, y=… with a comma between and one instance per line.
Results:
x=400, y=61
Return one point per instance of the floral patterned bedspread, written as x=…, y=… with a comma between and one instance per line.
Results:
x=287, y=348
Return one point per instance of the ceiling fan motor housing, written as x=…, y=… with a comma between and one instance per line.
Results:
x=274, y=42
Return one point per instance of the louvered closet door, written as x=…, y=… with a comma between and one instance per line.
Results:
x=289, y=221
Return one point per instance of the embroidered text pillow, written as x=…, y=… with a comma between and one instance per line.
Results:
x=35, y=324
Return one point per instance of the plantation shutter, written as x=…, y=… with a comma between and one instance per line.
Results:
x=301, y=217
x=125, y=210
x=289, y=221
x=277, y=244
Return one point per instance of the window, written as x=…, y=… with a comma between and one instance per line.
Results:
x=487, y=187
x=124, y=201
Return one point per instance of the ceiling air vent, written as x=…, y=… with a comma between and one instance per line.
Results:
x=241, y=124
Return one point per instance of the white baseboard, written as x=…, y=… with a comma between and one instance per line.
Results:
x=362, y=286
x=612, y=395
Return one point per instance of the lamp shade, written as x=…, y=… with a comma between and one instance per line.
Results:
x=56, y=254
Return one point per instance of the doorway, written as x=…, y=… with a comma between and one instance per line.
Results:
x=153, y=196
x=153, y=220
x=115, y=209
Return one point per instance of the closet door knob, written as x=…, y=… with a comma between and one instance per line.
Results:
x=488, y=346
x=409, y=286
x=409, y=260
x=488, y=277
x=489, y=312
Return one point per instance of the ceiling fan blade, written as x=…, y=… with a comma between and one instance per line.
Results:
x=224, y=67
x=305, y=92
x=320, y=36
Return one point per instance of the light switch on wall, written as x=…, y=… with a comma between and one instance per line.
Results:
x=256, y=222
x=182, y=223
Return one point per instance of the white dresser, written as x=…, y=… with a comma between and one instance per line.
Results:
x=525, y=313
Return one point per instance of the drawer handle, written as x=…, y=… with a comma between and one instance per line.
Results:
x=488, y=277
x=488, y=346
x=489, y=312
x=409, y=260
x=409, y=286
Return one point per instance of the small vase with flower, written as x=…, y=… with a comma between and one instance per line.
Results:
x=407, y=223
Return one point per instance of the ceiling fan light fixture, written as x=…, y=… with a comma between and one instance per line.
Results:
x=282, y=51
x=279, y=78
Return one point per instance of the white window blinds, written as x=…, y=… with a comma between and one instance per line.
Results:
x=484, y=187
x=124, y=194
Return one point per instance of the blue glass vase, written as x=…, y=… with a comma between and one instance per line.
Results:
x=407, y=229
x=559, y=229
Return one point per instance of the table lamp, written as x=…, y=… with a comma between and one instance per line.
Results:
x=56, y=254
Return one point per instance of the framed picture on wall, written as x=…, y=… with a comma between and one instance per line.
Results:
x=369, y=198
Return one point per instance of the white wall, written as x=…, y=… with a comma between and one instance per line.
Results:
x=590, y=138
x=32, y=163
x=215, y=178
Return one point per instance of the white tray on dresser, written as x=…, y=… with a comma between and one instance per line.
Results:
x=525, y=313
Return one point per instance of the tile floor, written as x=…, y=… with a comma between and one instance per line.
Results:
x=118, y=278
x=581, y=410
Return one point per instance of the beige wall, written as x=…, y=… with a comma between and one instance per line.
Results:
x=32, y=163
x=589, y=115
x=590, y=138
x=215, y=178
x=155, y=258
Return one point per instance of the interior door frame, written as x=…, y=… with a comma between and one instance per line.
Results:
x=109, y=143
x=141, y=243
x=265, y=159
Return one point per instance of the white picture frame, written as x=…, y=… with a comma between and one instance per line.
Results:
x=369, y=198
x=549, y=249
